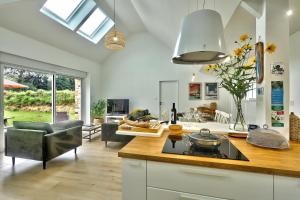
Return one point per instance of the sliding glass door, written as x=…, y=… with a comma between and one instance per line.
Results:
x=27, y=95
x=39, y=96
x=67, y=98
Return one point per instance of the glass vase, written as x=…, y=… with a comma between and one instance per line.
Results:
x=239, y=123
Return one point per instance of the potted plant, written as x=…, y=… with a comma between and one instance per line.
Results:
x=238, y=75
x=98, y=111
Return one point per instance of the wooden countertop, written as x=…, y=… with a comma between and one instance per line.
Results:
x=261, y=160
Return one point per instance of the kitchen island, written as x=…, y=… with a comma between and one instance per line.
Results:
x=150, y=174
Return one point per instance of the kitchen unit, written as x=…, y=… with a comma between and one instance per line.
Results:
x=150, y=174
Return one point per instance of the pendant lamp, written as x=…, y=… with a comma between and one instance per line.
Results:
x=201, y=39
x=114, y=40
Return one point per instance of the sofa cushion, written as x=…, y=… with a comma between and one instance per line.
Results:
x=33, y=126
x=67, y=124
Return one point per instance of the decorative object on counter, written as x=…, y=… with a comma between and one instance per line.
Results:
x=211, y=91
x=98, y=111
x=294, y=127
x=259, y=56
x=277, y=104
x=195, y=91
x=175, y=129
x=238, y=75
x=277, y=68
x=268, y=138
x=114, y=39
x=173, y=114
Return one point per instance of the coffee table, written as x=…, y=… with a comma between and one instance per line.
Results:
x=91, y=129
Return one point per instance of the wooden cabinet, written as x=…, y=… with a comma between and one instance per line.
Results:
x=286, y=188
x=134, y=179
x=160, y=194
x=227, y=184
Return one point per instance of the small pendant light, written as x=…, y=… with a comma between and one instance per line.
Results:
x=114, y=39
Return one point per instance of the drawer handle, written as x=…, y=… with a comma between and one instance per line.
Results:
x=135, y=164
x=204, y=173
x=190, y=197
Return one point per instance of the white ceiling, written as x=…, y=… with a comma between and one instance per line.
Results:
x=161, y=18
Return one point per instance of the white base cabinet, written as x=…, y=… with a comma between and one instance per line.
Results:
x=149, y=180
x=286, y=188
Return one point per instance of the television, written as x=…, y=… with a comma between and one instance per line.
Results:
x=117, y=106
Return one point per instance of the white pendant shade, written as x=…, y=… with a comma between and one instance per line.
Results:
x=201, y=39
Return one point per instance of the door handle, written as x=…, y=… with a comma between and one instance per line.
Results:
x=190, y=197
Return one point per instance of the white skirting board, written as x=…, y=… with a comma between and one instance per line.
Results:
x=145, y=134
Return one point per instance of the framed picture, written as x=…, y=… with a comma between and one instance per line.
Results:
x=259, y=56
x=277, y=68
x=211, y=91
x=195, y=91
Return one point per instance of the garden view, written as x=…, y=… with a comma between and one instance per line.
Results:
x=28, y=96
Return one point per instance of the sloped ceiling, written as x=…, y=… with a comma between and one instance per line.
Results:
x=162, y=18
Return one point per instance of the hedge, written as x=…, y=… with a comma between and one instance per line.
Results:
x=38, y=98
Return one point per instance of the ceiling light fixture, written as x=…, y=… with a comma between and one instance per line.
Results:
x=201, y=39
x=114, y=39
x=289, y=12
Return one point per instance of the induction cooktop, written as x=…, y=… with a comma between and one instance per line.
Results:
x=180, y=145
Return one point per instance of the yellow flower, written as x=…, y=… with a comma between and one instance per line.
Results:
x=271, y=48
x=247, y=47
x=244, y=37
x=238, y=52
x=252, y=59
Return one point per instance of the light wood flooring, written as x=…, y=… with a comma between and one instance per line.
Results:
x=94, y=174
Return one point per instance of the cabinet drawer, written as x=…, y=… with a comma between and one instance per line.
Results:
x=286, y=188
x=228, y=184
x=160, y=194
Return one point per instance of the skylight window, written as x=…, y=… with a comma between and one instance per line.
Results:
x=92, y=24
x=63, y=8
x=80, y=16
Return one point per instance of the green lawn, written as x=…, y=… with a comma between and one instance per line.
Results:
x=31, y=116
x=28, y=116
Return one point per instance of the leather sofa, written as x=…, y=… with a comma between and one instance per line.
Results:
x=109, y=134
x=42, y=141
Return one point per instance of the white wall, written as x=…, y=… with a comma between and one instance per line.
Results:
x=294, y=73
x=17, y=44
x=135, y=73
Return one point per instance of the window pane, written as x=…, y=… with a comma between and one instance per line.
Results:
x=93, y=22
x=27, y=96
x=62, y=8
x=68, y=98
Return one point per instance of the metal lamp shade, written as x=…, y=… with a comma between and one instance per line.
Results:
x=113, y=44
x=201, y=40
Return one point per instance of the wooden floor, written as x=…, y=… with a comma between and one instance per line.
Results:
x=94, y=174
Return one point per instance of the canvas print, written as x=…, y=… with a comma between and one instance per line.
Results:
x=259, y=55
x=195, y=91
x=277, y=68
x=211, y=91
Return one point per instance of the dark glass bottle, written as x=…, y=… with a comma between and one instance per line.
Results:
x=173, y=114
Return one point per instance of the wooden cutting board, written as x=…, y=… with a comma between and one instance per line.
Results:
x=152, y=129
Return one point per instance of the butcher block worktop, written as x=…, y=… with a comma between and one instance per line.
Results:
x=261, y=160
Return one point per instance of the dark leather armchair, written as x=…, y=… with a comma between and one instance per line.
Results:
x=42, y=142
x=109, y=134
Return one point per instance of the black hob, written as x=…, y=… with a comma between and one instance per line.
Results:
x=180, y=145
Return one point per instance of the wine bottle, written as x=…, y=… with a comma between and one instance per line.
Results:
x=173, y=114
